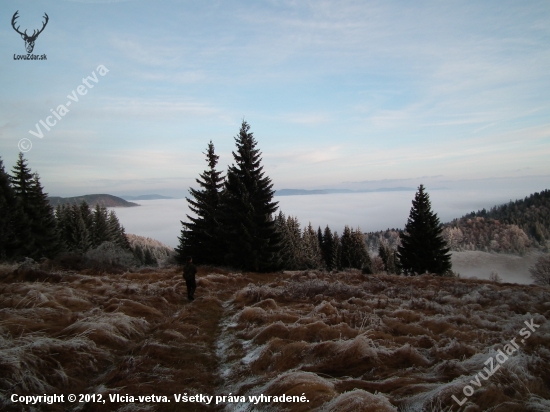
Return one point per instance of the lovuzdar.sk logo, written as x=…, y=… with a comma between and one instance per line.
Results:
x=29, y=40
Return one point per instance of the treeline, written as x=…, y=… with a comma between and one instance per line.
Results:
x=31, y=228
x=150, y=252
x=310, y=249
x=81, y=229
x=531, y=214
x=508, y=228
x=28, y=226
x=487, y=235
x=235, y=222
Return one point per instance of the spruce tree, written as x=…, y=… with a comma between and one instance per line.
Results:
x=44, y=225
x=78, y=237
x=14, y=227
x=354, y=250
x=311, y=250
x=100, y=226
x=87, y=216
x=116, y=231
x=290, y=240
x=200, y=236
x=387, y=254
x=423, y=249
x=250, y=236
x=327, y=248
x=361, y=255
x=346, y=245
x=320, y=240
x=42, y=241
x=336, y=252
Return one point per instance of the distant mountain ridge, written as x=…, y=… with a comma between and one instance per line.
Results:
x=302, y=192
x=146, y=197
x=101, y=199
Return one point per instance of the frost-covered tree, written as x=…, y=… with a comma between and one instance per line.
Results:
x=249, y=233
x=150, y=252
x=311, y=254
x=423, y=248
x=388, y=256
x=100, y=226
x=75, y=235
x=540, y=273
x=291, y=241
x=354, y=249
x=80, y=229
x=200, y=235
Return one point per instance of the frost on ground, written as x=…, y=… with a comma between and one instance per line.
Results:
x=349, y=342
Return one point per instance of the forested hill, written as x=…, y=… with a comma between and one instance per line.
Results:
x=92, y=200
x=509, y=228
x=531, y=214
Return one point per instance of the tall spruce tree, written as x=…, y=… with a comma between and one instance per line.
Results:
x=200, y=236
x=250, y=236
x=43, y=240
x=14, y=227
x=423, y=249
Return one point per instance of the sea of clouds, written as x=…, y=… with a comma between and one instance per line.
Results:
x=160, y=219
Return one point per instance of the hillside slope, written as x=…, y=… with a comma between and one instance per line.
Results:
x=396, y=343
x=92, y=200
x=531, y=214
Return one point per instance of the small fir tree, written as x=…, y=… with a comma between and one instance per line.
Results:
x=327, y=249
x=423, y=249
x=290, y=253
x=311, y=250
x=336, y=252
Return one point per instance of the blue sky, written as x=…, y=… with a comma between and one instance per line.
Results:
x=389, y=93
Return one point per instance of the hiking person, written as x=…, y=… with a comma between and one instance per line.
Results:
x=189, y=272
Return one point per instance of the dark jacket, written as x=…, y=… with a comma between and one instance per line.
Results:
x=189, y=271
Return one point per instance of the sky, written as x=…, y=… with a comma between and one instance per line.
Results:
x=338, y=94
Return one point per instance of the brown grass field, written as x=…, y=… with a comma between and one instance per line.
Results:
x=347, y=341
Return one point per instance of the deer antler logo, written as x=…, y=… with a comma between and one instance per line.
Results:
x=29, y=40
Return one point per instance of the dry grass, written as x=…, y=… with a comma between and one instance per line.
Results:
x=349, y=342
